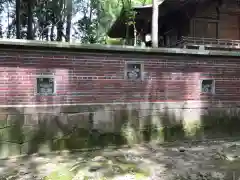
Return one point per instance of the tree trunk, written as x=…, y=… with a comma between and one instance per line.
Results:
x=60, y=22
x=18, y=35
x=45, y=23
x=52, y=32
x=59, y=30
x=45, y=32
x=69, y=19
x=155, y=23
x=30, y=20
x=8, y=17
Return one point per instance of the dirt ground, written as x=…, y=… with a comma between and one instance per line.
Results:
x=213, y=160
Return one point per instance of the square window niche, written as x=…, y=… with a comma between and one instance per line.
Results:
x=208, y=86
x=45, y=85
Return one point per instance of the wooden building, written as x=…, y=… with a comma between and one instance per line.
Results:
x=188, y=23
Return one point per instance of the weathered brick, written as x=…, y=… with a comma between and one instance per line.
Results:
x=99, y=77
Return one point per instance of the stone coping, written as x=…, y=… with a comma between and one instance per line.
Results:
x=5, y=43
x=90, y=107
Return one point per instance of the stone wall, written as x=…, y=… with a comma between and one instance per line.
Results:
x=94, y=104
x=27, y=130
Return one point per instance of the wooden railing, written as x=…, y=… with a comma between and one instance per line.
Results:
x=208, y=43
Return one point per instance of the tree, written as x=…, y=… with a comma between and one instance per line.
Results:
x=30, y=19
x=155, y=23
x=130, y=21
x=88, y=24
x=107, y=13
x=69, y=20
x=60, y=21
x=53, y=20
x=18, y=19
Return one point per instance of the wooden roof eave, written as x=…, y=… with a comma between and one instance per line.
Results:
x=119, y=23
x=118, y=29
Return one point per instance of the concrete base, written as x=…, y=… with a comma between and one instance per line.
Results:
x=44, y=129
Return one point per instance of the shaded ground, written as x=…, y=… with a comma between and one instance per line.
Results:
x=209, y=160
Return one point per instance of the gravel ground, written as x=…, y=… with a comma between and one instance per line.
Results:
x=191, y=161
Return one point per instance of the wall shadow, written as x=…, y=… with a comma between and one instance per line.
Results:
x=50, y=132
x=22, y=134
x=221, y=122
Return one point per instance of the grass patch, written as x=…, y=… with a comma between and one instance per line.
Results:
x=61, y=174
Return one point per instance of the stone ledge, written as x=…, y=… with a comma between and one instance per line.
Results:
x=113, y=48
x=93, y=107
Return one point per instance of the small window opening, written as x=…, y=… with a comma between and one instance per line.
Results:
x=45, y=85
x=134, y=71
x=208, y=86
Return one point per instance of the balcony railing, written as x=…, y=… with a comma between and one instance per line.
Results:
x=208, y=43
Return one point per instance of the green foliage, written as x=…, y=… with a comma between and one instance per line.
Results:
x=92, y=18
x=98, y=16
x=114, y=41
x=62, y=174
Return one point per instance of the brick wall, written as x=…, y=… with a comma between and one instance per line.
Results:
x=99, y=77
x=89, y=82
